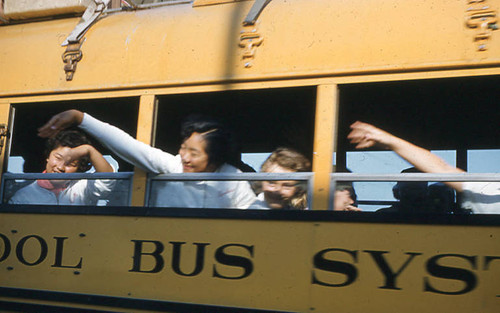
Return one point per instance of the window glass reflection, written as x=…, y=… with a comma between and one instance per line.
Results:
x=44, y=189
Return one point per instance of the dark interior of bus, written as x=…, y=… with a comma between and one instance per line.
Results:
x=29, y=117
x=261, y=120
x=438, y=114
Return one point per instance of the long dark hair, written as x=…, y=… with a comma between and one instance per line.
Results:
x=219, y=141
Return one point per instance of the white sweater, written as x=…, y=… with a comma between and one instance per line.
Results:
x=482, y=197
x=202, y=194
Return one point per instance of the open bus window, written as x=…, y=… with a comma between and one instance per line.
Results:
x=374, y=196
x=29, y=154
x=30, y=116
x=454, y=118
x=259, y=120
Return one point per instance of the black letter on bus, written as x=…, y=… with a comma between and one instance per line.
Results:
x=156, y=254
x=233, y=260
x=59, y=254
x=176, y=258
x=487, y=261
x=390, y=275
x=347, y=269
x=464, y=275
x=6, y=247
x=43, y=250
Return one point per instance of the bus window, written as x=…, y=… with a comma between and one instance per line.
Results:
x=456, y=119
x=261, y=120
x=121, y=112
x=29, y=156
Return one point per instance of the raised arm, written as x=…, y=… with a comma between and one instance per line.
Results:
x=98, y=161
x=128, y=148
x=60, y=122
x=364, y=135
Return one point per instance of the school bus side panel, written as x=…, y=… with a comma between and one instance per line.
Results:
x=298, y=266
x=179, y=44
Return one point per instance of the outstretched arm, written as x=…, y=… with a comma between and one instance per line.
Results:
x=60, y=122
x=125, y=146
x=364, y=135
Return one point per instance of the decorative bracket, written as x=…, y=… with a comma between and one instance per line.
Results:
x=73, y=54
x=481, y=17
x=71, y=57
x=249, y=41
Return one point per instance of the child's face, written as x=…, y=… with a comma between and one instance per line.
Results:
x=342, y=200
x=279, y=193
x=56, y=161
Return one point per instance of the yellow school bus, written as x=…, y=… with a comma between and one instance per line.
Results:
x=279, y=73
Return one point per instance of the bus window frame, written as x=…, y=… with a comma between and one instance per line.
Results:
x=68, y=176
x=299, y=176
x=409, y=177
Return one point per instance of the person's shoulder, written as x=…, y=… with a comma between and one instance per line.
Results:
x=28, y=191
x=28, y=188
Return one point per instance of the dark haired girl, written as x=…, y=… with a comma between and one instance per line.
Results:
x=205, y=148
x=68, y=152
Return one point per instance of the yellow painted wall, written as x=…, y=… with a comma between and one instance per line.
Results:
x=182, y=45
x=285, y=262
